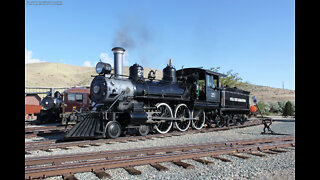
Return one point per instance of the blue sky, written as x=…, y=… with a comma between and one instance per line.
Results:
x=254, y=38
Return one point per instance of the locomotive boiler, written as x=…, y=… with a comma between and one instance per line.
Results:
x=187, y=97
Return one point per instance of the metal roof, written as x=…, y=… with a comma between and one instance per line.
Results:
x=78, y=90
x=191, y=70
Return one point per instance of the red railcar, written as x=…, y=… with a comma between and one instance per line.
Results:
x=76, y=100
x=32, y=105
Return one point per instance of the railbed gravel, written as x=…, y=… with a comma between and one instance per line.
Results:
x=278, y=166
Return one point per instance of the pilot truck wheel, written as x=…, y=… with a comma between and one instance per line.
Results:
x=113, y=129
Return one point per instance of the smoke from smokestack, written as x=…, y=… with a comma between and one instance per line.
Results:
x=133, y=35
x=124, y=39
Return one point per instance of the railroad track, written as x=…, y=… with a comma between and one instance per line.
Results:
x=98, y=162
x=44, y=131
x=31, y=132
x=51, y=144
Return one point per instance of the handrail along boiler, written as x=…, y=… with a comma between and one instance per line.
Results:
x=183, y=98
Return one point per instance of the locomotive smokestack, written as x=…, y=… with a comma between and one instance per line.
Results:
x=118, y=61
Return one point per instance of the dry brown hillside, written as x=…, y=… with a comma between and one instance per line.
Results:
x=269, y=94
x=64, y=75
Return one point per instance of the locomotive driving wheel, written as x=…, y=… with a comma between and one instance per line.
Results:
x=164, y=111
x=200, y=119
x=183, y=112
x=113, y=129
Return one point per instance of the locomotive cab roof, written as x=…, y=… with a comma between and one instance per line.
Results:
x=188, y=71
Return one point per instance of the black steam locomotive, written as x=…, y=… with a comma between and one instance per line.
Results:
x=183, y=98
x=51, y=108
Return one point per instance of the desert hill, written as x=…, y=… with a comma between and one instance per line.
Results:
x=64, y=75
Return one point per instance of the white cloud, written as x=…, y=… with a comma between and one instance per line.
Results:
x=29, y=59
x=104, y=57
x=87, y=64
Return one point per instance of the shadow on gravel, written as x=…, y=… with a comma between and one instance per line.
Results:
x=284, y=120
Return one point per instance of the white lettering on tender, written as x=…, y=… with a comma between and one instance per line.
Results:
x=237, y=99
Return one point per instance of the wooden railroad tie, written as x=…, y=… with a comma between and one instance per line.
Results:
x=183, y=164
x=221, y=158
x=159, y=167
x=69, y=177
x=240, y=156
x=132, y=171
x=256, y=154
x=269, y=152
x=278, y=150
x=94, y=144
x=84, y=146
x=65, y=148
x=203, y=161
x=48, y=150
x=100, y=173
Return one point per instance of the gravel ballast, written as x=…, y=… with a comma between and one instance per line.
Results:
x=278, y=166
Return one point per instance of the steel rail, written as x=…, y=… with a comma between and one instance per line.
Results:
x=43, y=128
x=142, y=160
x=109, y=154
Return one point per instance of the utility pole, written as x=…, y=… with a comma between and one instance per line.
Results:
x=282, y=84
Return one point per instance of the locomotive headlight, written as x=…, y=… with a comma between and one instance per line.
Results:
x=103, y=68
x=99, y=68
x=96, y=89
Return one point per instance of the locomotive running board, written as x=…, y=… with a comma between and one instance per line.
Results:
x=89, y=128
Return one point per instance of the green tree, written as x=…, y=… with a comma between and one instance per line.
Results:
x=288, y=109
x=232, y=79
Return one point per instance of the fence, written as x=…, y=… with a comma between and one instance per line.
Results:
x=43, y=91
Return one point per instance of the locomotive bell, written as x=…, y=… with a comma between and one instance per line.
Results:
x=169, y=73
x=118, y=61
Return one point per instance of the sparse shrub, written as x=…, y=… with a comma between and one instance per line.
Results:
x=281, y=105
x=288, y=109
x=274, y=107
x=264, y=108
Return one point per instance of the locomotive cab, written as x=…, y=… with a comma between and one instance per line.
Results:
x=206, y=83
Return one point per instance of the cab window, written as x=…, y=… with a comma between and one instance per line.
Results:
x=209, y=80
